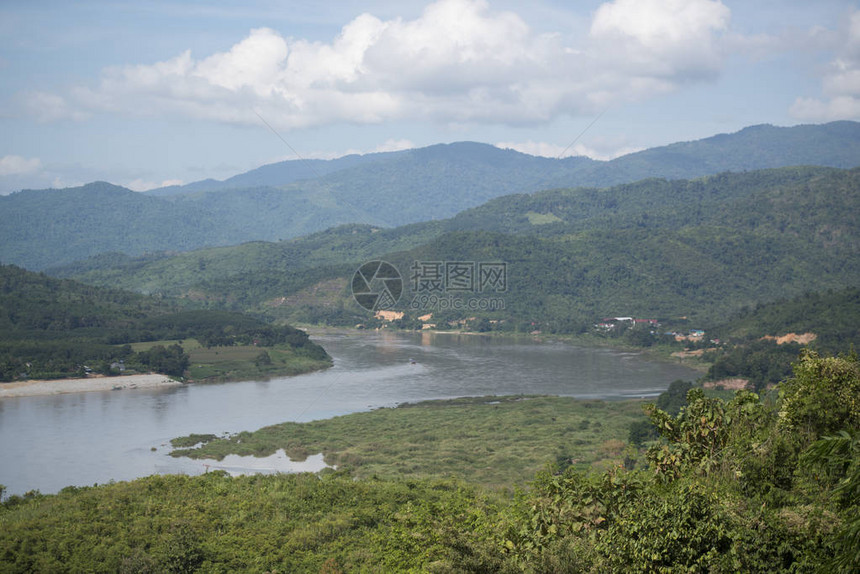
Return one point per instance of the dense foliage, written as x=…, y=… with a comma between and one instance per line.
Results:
x=701, y=249
x=214, y=523
x=732, y=486
x=752, y=352
x=833, y=316
x=52, y=328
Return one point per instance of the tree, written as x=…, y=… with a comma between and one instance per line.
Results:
x=839, y=458
x=263, y=359
x=675, y=397
x=823, y=397
x=170, y=360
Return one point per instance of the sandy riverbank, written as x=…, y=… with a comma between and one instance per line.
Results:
x=59, y=386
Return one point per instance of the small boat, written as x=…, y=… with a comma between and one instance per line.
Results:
x=413, y=361
x=116, y=388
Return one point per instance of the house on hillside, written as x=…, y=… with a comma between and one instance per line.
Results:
x=389, y=315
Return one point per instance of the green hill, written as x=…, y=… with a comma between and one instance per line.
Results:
x=699, y=248
x=763, y=341
x=48, y=228
x=833, y=316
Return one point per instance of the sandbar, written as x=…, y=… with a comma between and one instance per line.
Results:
x=37, y=388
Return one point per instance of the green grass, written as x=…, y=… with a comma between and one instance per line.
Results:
x=187, y=344
x=224, y=354
x=492, y=441
x=542, y=218
x=191, y=440
x=239, y=363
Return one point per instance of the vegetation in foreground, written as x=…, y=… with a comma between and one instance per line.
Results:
x=731, y=486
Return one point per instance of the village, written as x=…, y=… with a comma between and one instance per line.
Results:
x=622, y=323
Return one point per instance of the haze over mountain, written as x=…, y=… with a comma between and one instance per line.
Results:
x=45, y=228
x=755, y=147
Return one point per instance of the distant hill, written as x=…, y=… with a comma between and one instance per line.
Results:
x=752, y=148
x=274, y=174
x=41, y=229
x=47, y=227
x=835, y=144
x=699, y=248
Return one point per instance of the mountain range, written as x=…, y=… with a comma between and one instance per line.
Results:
x=700, y=248
x=40, y=229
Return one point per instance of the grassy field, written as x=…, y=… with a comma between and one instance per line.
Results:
x=242, y=362
x=493, y=441
x=187, y=344
x=239, y=362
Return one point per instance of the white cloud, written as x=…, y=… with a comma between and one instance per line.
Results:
x=47, y=107
x=394, y=145
x=145, y=185
x=662, y=38
x=387, y=146
x=840, y=81
x=603, y=152
x=17, y=165
x=459, y=62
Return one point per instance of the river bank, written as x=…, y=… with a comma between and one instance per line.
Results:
x=37, y=388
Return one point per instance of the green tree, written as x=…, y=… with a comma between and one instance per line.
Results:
x=673, y=399
x=823, y=396
x=170, y=360
x=838, y=457
x=263, y=359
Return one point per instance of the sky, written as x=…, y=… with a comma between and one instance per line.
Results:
x=151, y=93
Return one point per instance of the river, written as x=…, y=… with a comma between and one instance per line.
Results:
x=81, y=439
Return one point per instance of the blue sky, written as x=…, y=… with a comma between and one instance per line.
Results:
x=149, y=93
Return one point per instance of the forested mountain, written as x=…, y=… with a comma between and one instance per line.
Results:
x=835, y=144
x=33, y=302
x=274, y=174
x=46, y=227
x=41, y=229
x=700, y=248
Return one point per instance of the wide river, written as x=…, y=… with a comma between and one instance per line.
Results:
x=80, y=439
